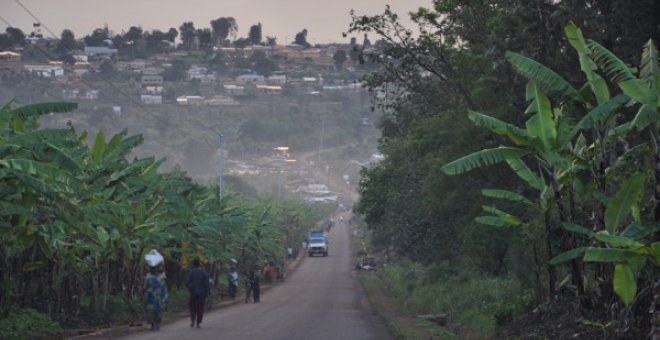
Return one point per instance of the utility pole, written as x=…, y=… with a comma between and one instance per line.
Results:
x=321, y=139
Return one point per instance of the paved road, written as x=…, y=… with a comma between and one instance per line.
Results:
x=322, y=299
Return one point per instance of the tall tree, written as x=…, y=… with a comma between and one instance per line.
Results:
x=301, y=39
x=134, y=33
x=222, y=28
x=67, y=41
x=97, y=38
x=156, y=42
x=204, y=37
x=255, y=34
x=187, y=31
x=171, y=35
x=16, y=36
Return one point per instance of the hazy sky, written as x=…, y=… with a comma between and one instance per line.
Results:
x=324, y=20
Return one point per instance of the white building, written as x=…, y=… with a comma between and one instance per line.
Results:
x=190, y=100
x=221, y=101
x=46, y=71
x=277, y=79
x=233, y=89
x=151, y=99
x=250, y=78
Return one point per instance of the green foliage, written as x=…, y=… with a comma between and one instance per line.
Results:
x=75, y=217
x=572, y=149
x=472, y=303
x=482, y=158
x=29, y=324
x=123, y=310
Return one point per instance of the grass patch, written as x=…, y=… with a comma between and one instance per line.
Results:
x=401, y=326
x=475, y=305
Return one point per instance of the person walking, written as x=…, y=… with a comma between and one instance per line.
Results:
x=233, y=282
x=198, y=286
x=249, y=281
x=256, y=289
x=155, y=297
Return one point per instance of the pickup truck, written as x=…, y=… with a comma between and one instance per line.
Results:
x=317, y=243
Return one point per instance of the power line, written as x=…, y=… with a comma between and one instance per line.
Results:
x=6, y=22
x=114, y=86
x=35, y=18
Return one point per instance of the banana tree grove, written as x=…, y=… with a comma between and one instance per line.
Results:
x=76, y=220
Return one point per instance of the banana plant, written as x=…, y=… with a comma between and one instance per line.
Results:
x=36, y=182
x=552, y=140
x=624, y=247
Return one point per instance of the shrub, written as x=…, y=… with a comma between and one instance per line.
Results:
x=121, y=309
x=29, y=324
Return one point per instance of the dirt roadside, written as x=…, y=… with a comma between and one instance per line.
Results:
x=124, y=329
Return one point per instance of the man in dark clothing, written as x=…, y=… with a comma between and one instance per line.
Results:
x=249, y=282
x=256, y=289
x=198, y=285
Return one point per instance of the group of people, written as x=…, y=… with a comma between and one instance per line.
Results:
x=198, y=282
x=156, y=297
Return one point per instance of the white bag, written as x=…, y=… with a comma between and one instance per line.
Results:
x=154, y=258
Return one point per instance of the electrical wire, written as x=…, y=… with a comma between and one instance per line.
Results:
x=107, y=81
x=6, y=22
x=110, y=83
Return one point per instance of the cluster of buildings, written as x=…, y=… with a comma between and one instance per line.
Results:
x=149, y=84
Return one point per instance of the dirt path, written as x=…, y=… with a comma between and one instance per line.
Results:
x=322, y=299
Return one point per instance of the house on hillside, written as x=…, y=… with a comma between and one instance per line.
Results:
x=45, y=71
x=80, y=58
x=153, y=89
x=277, y=79
x=100, y=52
x=70, y=93
x=250, y=78
x=269, y=89
x=91, y=95
x=190, y=100
x=152, y=80
x=203, y=78
x=153, y=71
x=219, y=100
x=234, y=89
x=135, y=66
x=10, y=63
x=151, y=99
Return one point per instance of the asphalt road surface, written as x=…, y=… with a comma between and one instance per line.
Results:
x=321, y=299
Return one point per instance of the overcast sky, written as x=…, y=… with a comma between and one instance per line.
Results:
x=324, y=20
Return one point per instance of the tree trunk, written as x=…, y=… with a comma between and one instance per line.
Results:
x=537, y=272
x=94, y=298
x=576, y=265
x=552, y=273
x=106, y=285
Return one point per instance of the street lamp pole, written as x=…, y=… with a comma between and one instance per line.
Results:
x=321, y=140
